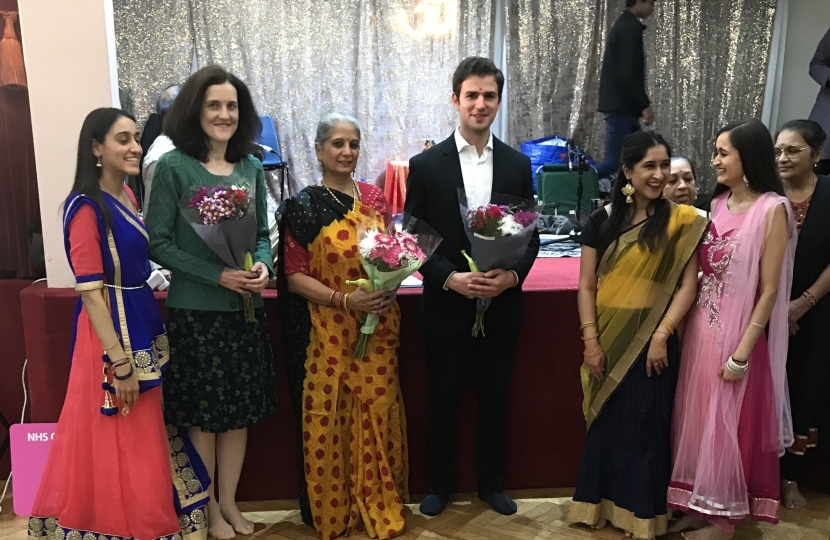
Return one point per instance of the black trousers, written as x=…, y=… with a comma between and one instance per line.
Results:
x=450, y=359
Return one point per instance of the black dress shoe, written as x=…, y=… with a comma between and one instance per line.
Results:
x=433, y=504
x=500, y=502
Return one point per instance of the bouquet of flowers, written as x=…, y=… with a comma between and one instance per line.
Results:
x=388, y=259
x=224, y=217
x=499, y=234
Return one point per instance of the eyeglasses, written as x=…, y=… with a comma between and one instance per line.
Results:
x=791, y=151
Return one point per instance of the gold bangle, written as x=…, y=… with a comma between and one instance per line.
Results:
x=346, y=302
x=761, y=326
x=117, y=343
x=586, y=325
x=596, y=352
x=673, y=324
x=589, y=338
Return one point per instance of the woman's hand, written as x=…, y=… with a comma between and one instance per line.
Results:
x=798, y=308
x=126, y=391
x=657, y=357
x=261, y=280
x=239, y=281
x=728, y=375
x=594, y=358
x=376, y=302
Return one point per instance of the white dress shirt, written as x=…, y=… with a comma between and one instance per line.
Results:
x=477, y=173
x=160, y=146
x=476, y=170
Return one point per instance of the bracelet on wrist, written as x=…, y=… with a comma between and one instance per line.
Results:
x=123, y=377
x=121, y=362
x=595, y=353
x=810, y=298
x=738, y=367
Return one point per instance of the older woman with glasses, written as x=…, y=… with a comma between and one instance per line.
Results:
x=798, y=149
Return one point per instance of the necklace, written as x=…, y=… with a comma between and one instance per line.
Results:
x=355, y=194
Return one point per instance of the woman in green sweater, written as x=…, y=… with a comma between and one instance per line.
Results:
x=221, y=376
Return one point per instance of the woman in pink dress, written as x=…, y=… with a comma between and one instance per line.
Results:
x=113, y=471
x=731, y=418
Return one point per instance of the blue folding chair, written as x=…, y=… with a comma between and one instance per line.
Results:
x=269, y=143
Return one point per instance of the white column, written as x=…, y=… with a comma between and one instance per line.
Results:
x=69, y=49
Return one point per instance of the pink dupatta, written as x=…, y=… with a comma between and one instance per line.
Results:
x=717, y=469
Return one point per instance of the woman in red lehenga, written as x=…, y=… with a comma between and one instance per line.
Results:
x=732, y=417
x=109, y=475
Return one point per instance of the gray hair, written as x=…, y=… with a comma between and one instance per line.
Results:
x=167, y=97
x=327, y=123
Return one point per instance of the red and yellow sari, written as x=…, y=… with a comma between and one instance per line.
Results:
x=353, y=433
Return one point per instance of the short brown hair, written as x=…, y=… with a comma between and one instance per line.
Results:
x=183, y=122
x=476, y=66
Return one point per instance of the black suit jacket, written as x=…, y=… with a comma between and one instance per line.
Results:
x=432, y=195
x=622, y=83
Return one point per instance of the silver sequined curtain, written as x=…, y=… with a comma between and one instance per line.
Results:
x=305, y=58
x=154, y=48
x=706, y=60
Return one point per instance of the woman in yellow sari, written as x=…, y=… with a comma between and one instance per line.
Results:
x=352, y=455
x=638, y=277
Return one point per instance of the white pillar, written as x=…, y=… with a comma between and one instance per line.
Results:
x=69, y=49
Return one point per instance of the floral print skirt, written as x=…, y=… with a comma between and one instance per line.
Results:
x=221, y=372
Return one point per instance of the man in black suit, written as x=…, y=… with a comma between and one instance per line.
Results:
x=473, y=160
x=622, y=84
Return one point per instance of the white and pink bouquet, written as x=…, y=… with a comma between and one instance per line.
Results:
x=499, y=234
x=388, y=259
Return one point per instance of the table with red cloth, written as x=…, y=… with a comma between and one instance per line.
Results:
x=547, y=429
x=395, y=188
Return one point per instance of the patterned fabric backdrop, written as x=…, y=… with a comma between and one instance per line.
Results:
x=154, y=48
x=707, y=62
x=305, y=58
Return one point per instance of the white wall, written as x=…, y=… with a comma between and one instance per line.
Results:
x=807, y=23
x=69, y=46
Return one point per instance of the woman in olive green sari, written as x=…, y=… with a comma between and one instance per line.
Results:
x=638, y=277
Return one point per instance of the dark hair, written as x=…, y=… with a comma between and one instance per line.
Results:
x=654, y=233
x=630, y=3
x=691, y=165
x=476, y=66
x=753, y=142
x=87, y=173
x=183, y=122
x=810, y=131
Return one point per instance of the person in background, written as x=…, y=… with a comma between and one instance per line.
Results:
x=109, y=473
x=637, y=280
x=159, y=145
x=221, y=379
x=820, y=72
x=622, y=86
x=682, y=185
x=473, y=159
x=341, y=403
x=731, y=418
x=798, y=147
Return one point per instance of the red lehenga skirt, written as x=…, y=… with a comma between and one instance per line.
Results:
x=106, y=476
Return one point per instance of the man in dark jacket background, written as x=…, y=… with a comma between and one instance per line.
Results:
x=622, y=85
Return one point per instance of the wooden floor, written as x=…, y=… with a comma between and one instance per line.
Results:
x=542, y=514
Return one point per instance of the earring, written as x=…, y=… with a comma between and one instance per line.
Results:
x=99, y=162
x=628, y=191
x=746, y=180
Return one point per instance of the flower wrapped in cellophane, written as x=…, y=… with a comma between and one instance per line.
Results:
x=224, y=216
x=499, y=234
x=388, y=258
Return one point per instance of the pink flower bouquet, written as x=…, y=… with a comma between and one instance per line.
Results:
x=388, y=259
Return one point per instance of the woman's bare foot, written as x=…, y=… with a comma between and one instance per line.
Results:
x=233, y=516
x=217, y=526
x=710, y=532
x=600, y=524
x=687, y=522
x=790, y=496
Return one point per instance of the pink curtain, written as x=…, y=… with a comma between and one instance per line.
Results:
x=18, y=180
